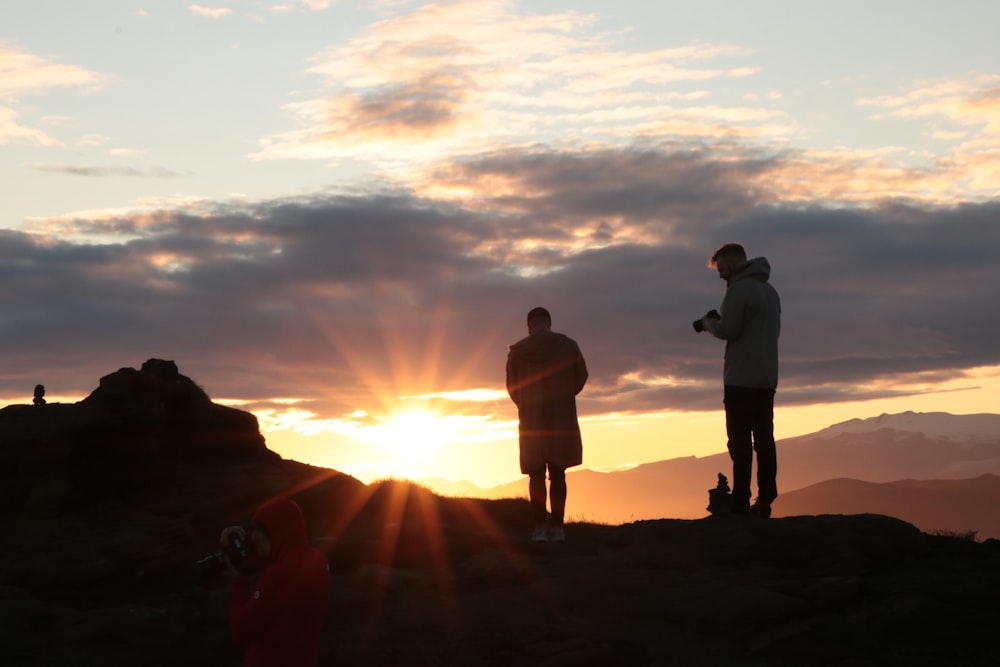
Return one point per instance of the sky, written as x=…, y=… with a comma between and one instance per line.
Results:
x=337, y=214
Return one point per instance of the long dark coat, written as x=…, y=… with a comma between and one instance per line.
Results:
x=545, y=372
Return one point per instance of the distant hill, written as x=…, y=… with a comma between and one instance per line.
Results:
x=951, y=506
x=888, y=448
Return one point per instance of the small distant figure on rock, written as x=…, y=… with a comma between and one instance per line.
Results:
x=719, y=499
x=39, y=395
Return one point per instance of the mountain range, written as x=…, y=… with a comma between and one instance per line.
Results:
x=937, y=470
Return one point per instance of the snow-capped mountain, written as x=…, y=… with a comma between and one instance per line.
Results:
x=983, y=426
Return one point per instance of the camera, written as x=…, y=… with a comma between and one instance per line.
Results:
x=236, y=551
x=712, y=314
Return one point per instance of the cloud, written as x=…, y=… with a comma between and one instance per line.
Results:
x=12, y=131
x=210, y=12
x=964, y=111
x=91, y=140
x=424, y=90
x=351, y=303
x=969, y=101
x=25, y=73
x=101, y=172
x=22, y=74
x=461, y=78
x=309, y=5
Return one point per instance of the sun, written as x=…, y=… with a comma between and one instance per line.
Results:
x=412, y=438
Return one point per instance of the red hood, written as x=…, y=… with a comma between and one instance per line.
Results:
x=285, y=524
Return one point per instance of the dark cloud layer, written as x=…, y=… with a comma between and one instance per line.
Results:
x=342, y=300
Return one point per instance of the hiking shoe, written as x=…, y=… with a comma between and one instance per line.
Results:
x=557, y=534
x=540, y=535
x=762, y=510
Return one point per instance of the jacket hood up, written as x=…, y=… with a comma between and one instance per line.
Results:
x=285, y=524
x=754, y=269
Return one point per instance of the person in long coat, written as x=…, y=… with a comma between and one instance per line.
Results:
x=545, y=372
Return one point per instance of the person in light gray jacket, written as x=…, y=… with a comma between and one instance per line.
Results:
x=750, y=322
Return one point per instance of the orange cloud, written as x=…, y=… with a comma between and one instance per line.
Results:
x=210, y=12
x=12, y=131
x=965, y=112
x=22, y=73
x=964, y=102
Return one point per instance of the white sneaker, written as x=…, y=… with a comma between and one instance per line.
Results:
x=557, y=534
x=540, y=535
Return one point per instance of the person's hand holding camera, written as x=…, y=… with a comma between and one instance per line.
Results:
x=701, y=324
x=232, y=540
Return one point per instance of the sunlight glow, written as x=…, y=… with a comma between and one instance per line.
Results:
x=421, y=437
x=474, y=395
x=411, y=435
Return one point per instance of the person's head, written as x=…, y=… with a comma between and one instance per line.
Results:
x=539, y=320
x=279, y=526
x=727, y=259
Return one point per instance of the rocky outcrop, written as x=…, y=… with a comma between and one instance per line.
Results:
x=137, y=431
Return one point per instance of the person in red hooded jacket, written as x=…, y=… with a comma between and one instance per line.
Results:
x=278, y=615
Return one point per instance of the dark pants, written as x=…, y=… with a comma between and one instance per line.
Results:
x=750, y=427
x=557, y=495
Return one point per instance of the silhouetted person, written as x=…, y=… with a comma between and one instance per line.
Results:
x=278, y=614
x=39, y=395
x=545, y=372
x=750, y=322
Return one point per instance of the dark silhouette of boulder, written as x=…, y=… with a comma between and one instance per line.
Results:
x=138, y=430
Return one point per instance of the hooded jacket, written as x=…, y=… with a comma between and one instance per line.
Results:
x=750, y=323
x=280, y=616
x=545, y=372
